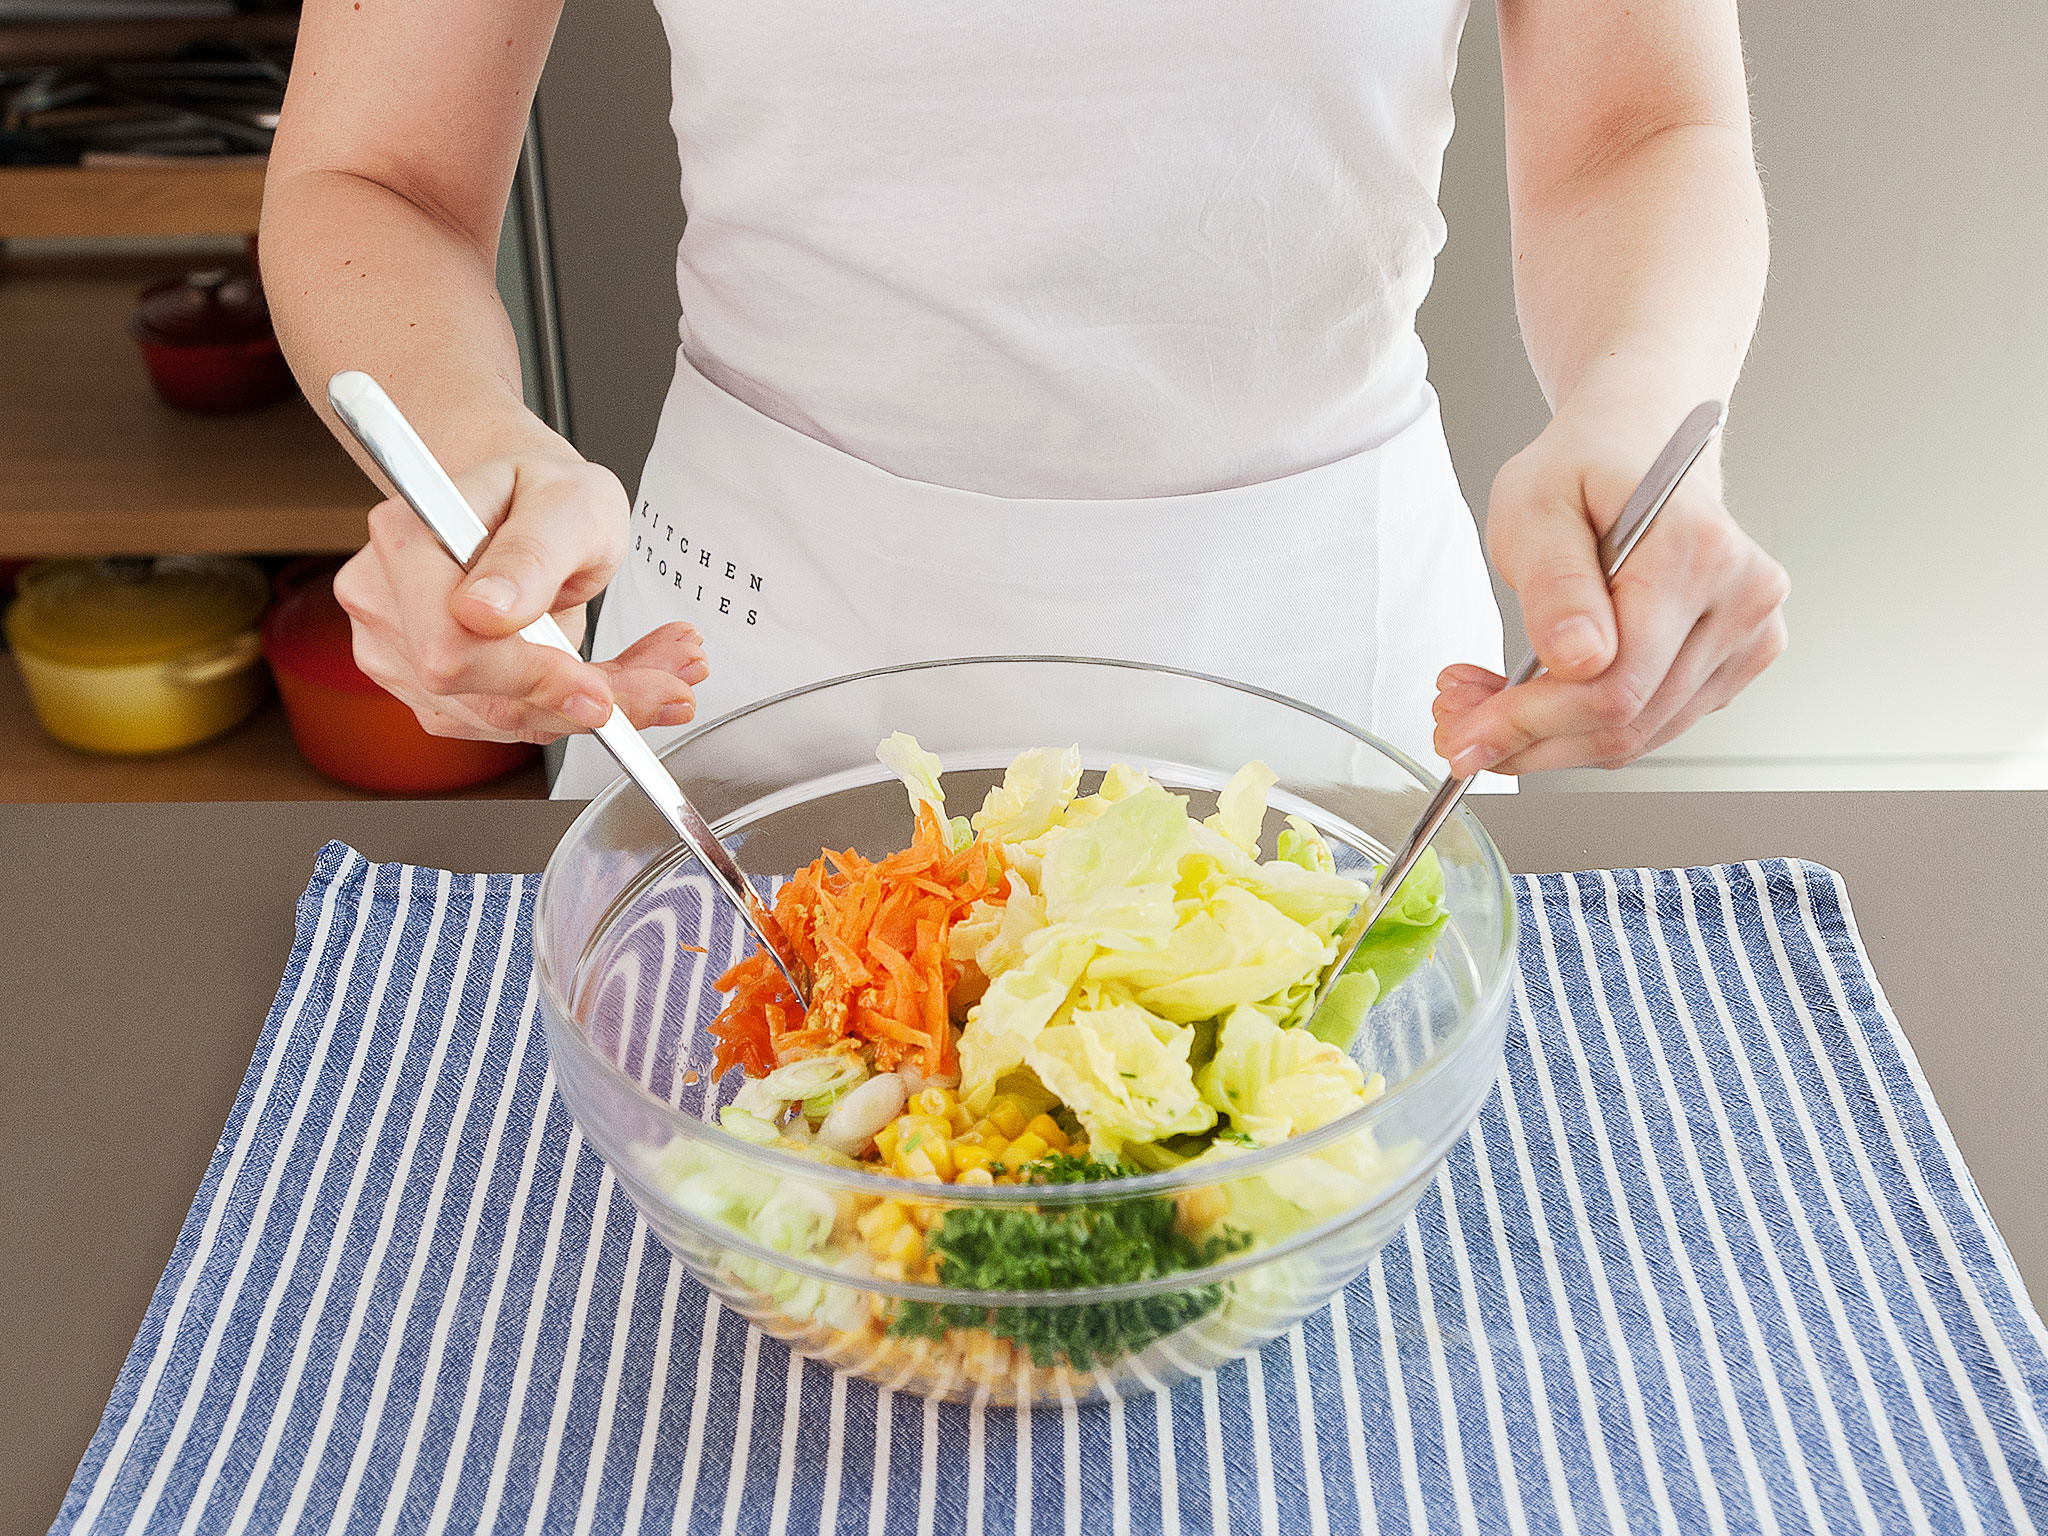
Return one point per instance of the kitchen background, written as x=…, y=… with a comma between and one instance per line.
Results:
x=1885, y=441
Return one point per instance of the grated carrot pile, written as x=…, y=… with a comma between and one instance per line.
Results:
x=874, y=937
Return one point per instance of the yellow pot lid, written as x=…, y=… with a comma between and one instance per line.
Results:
x=128, y=612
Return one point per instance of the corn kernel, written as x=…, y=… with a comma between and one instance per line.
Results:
x=885, y=1141
x=959, y=1119
x=1008, y=1116
x=1048, y=1131
x=906, y=1247
x=1201, y=1209
x=1028, y=1148
x=882, y=1221
x=915, y=1131
x=996, y=1143
x=966, y=1155
x=889, y=1269
x=936, y=1102
x=980, y=1177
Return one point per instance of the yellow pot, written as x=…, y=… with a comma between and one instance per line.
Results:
x=136, y=657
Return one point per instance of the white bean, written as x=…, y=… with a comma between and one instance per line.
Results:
x=856, y=1118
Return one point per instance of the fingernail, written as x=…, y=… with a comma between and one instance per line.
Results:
x=679, y=713
x=1473, y=760
x=1577, y=639
x=495, y=593
x=586, y=711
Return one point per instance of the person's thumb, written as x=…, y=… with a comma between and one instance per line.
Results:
x=1545, y=548
x=555, y=545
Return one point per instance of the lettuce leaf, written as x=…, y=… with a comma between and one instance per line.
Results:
x=1018, y=1004
x=1345, y=1176
x=1300, y=843
x=1139, y=840
x=919, y=770
x=1274, y=1083
x=1123, y=1072
x=1035, y=790
x=1241, y=807
x=1233, y=948
x=1402, y=938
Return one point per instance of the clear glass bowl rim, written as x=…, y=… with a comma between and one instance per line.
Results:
x=1104, y=1191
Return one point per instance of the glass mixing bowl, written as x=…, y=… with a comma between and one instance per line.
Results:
x=837, y=1261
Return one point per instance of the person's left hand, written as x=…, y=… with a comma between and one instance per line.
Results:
x=1692, y=618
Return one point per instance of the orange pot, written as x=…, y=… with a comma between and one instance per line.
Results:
x=348, y=727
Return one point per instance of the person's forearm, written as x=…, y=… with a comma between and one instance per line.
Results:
x=1639, y=281
x=359, y=276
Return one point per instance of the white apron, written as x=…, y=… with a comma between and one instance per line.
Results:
x=1349, y=586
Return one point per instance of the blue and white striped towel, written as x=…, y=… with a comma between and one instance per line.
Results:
x=1709, y=1262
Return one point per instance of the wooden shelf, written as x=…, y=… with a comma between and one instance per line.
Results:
x=255, y=761
x=220, y=196
x=91, y=462
x=66, y=42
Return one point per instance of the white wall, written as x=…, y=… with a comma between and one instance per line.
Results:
x=1889, y=440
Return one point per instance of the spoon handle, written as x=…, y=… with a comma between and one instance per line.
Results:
x=389, y=438
x=1669, y=467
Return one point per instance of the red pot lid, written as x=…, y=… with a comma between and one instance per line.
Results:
x=203, y=309
x=306, y=634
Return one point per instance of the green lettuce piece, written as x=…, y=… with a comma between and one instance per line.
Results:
x=1308, y=1189
x=1301, y=844
x=1403, y=937
x=1018, y=1004
x=1139, y=840
x=1419, y=902
x=919, y=770
x=1241, y=807
x=1401, y=940
x=1319, y=902
x=1036, y=789
x=1343, y=1012
x=1274, y=1083
x=994, y=934
x=1123, y=1072
x=1120, y=781
x=1232, y=949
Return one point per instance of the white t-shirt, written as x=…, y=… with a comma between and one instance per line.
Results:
x=1047, y=248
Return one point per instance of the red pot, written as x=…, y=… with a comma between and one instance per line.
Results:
x=207, y=342
x=348, y=727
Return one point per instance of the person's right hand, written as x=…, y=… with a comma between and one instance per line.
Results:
x=448, y=644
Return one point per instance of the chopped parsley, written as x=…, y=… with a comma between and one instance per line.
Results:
x=1062, y=1247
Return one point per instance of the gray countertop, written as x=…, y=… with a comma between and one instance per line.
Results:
x=141, y=945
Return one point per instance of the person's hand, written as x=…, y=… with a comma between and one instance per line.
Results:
x=449, y=644
x=1692, y=618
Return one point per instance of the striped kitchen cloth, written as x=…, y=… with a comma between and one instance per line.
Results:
x=1709, y=1261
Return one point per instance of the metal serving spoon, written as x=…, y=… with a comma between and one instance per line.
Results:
x=390, y=439
x=1678, y=456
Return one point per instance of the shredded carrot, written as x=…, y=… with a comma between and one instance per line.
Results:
x=874, y=937
x=693, y=949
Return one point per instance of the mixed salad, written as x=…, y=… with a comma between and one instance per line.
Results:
x=1060, y=988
